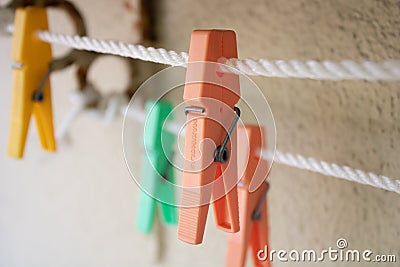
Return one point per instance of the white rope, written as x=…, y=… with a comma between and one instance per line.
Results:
x=325, y=70
x=332, y=169
x=159, y=55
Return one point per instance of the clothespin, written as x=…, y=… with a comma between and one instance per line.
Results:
x=81, y=100
x=211, y=115
x=157, y=171
x=252, y=205
x=31, y=87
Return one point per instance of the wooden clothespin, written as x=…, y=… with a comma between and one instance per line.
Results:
x=157, y=171
x=211, y=115
x=252, y=205
x=31, y=87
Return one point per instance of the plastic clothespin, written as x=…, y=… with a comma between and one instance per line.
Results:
x=252, y=205
x=81, y=100
x=211, y=115
x=31, y=87
x=157, y=171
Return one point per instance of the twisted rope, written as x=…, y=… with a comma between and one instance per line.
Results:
x=343, y=172
x=388, y=70
x=157, y=55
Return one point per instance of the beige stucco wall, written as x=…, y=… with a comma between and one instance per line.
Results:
x=77, y=207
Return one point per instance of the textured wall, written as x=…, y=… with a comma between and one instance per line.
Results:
x=354, y=122
x=77, y=207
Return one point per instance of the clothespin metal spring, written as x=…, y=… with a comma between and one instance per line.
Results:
x=257, y=212
x=17, y=65
x=221, y=153
x=194, y=109
x=38, y=95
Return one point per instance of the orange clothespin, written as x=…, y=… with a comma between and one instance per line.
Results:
x=31, y=87
x=210, y=169
x=252, y=205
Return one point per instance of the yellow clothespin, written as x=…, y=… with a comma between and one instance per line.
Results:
x=31, y=86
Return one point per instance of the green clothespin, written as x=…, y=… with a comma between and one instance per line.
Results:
x=157, y=172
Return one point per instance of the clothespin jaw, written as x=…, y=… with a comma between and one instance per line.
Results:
x=252, y=205
x=250, y=143
x=157, y=172
x=32, y=58
x=211, y=96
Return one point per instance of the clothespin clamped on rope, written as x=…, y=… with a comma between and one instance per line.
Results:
x=31, y=86
x=157, y=171
x=210, y=169
x=252, y=205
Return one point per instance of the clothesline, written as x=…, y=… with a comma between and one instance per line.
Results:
x=325, y=70
x=285, y=158
x=388, y=70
